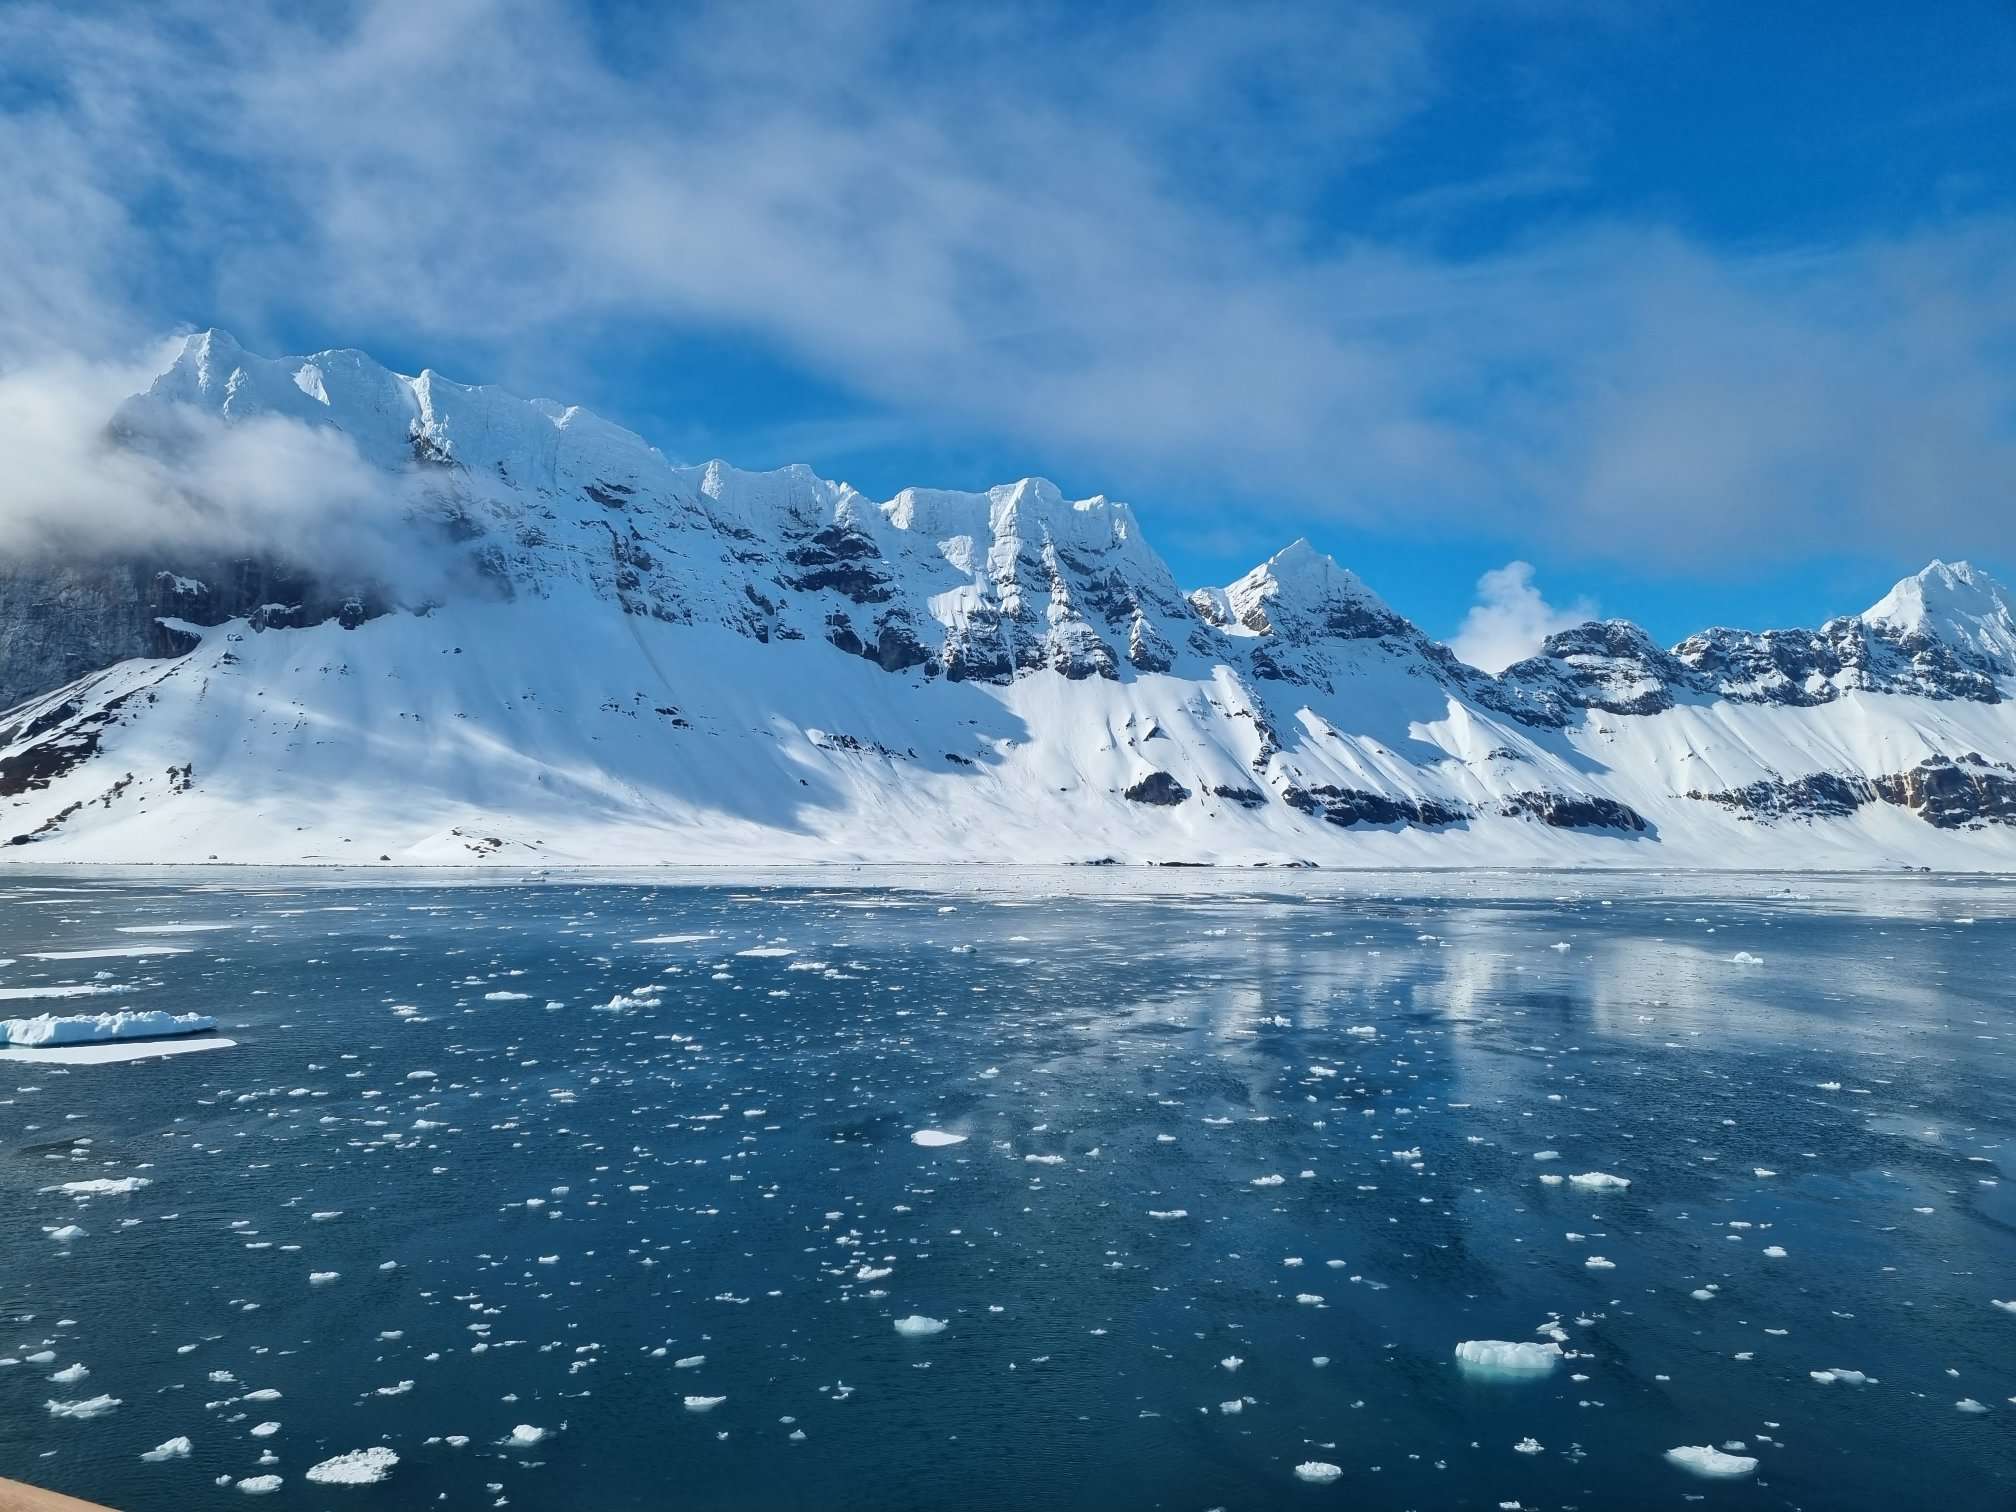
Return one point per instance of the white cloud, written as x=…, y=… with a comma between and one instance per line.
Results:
x=1510, y=619
x=966, y=217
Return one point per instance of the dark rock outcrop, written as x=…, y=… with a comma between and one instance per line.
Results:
x=1157, y=788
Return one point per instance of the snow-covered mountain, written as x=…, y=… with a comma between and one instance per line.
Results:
x=601, y=657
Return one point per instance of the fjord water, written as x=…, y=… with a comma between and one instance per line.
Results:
x=1243, y=1158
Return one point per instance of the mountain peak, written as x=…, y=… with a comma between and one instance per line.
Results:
x=1954, y=603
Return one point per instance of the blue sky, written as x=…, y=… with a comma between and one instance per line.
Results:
x=1707, y=311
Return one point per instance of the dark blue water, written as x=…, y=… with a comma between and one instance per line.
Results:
x=535, y=1207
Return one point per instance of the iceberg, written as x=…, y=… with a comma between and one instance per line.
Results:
x=1496, y=1358
x=1702, y=1460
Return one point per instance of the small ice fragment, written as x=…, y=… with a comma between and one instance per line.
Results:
x=703, y=1403
x=1319, y=1472
x=917, y=1326
x=1527, y=1446
x=176, y=1448
x=260, y=1485
x=1599, y=1181
x=524, y=1436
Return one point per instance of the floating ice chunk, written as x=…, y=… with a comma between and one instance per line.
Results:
x=260, y=1485
x=175, y=1448
x=102, y=1186
x=1168, y=1213
x=1527, y=1446
x=360, y=1467
x=703, y=1403
x=264, y=1430
x=488, y=997
x=2008, y=1307
x=1744, y=958
x=1774, y=1251
x=70, y=1375
x=1599, y=1181
x=1701, y=1459
x=935, y=1139
x=524, y=1436
x=324, y=1278
x=1843, y=1376
x=90, y=1407
x=1044, y=1159
x=1319, y=1472
x=1497, y=1358
x=689, y=1362
x=917, y=1326
x=1547, y=1178
x=1968, y=1404
x=1269, y=1181
x=1597, y=1262
x=96, y=1028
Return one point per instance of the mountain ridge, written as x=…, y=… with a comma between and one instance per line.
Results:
x=1292, y=714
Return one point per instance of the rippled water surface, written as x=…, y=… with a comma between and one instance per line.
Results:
x=607, y=1194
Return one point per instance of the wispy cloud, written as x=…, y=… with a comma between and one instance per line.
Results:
x=973, y=217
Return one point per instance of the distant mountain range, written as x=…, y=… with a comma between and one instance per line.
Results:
x=617, y=660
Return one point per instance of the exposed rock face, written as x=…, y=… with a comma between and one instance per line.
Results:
x=1946, y=792
x=62, y=620
x=1348, y=806
x=1609, y=665
x=1822, y=795
x=1572, y=811
x=1157, y=788
x=1951, y=794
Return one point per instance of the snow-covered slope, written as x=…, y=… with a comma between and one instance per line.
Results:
x=601, y=657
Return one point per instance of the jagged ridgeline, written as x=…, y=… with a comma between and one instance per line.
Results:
x=553, y=646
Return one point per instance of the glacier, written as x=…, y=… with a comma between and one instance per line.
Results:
x=614, y=659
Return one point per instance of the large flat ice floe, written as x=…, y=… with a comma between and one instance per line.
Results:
x=97, y=1028
x=360, y=1467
